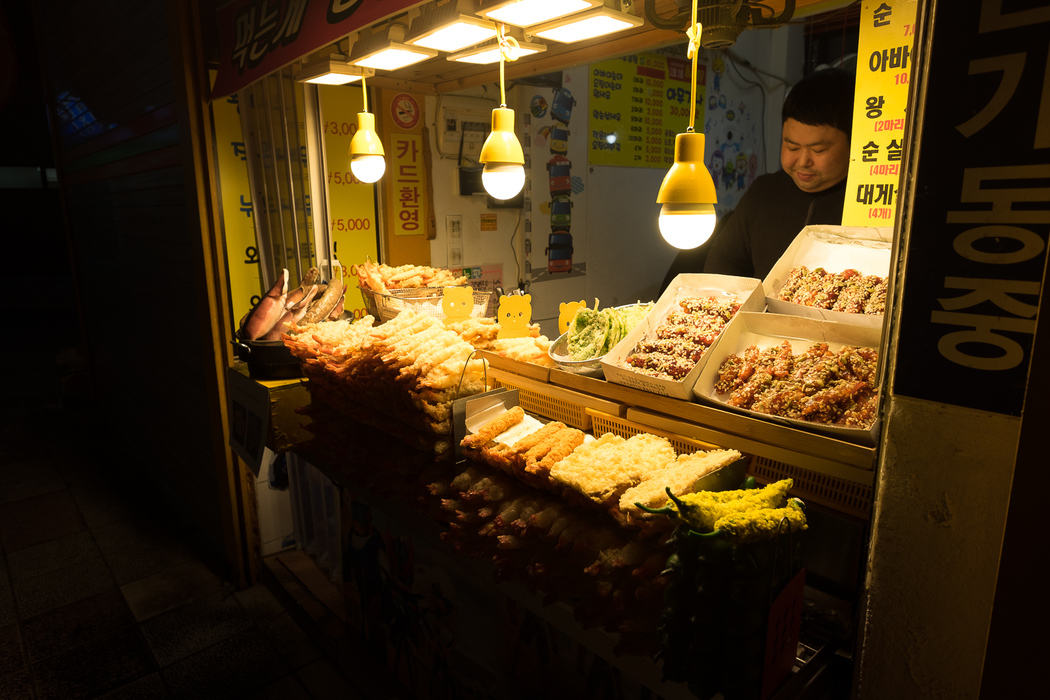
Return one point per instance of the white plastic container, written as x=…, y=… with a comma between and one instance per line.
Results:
x=767, y=330
x=834, y=248
x=746, y=290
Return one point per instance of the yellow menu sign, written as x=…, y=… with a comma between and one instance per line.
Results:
x=242, y=252
x=884, y=62
x=638, y=104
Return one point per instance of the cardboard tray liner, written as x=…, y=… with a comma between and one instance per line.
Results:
x=767, y=330
x=746, y=290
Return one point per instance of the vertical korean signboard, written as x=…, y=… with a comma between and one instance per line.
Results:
x=980, y=215
x=884, y=62
x=638, y=104
x=408, y=224
x=242, y=252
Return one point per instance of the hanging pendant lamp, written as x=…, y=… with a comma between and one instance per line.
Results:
x=687, y=217
x=504, y=173
x=367, y=157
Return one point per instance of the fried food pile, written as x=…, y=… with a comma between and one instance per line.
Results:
x=593, y=333
x=609, y=474
x=400, y=376
x=674, y=347
x=818, y=385
x=612, y=580
x=848, y=291
x=382, y=278
x=538, y=507
x=532, y=349
x=482, y=332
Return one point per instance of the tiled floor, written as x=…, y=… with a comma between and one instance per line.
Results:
x=99, y=597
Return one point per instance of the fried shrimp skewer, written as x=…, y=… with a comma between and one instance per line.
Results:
x=494, y=427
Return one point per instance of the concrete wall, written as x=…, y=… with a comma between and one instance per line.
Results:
x=942, y=494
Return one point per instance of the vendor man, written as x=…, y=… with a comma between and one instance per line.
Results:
x=814, y=154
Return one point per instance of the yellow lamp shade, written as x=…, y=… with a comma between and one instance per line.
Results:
x=687, y=194
x=367, y=160
x=504, y=161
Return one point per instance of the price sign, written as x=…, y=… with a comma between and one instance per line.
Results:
x=887, y=35
x=638, y=104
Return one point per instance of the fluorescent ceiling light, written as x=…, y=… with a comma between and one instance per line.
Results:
x=451, y=37
x=387, y=52
x=489, y=53
x=449, y=27
x=525, y=13
x=330, y=70
x=393, y=57
x=586, y=25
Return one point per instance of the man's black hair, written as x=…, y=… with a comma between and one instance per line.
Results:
x=824, y=97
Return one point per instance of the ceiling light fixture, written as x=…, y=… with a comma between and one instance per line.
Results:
x=367, y=157
x=372, y=50
x=490, y=52
x=330, y=70
x=524, y=13
x=589, y=24
x=450, y=26
x=687, y=217
x=504, y=173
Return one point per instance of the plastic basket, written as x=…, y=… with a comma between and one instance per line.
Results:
x=425, y=300
x=838, y=494
x=552, y=407
x=605, y=423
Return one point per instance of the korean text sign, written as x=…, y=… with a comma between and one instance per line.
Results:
x=980, y=219
x=242, y=252
x=257, y=37
x=638, y=104
x=885, y=58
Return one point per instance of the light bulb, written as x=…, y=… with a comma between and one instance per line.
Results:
x=687, y=225
x=366, y=150
x=503, y=180
x=687, y=194
x=368, y=168
x=504, y=172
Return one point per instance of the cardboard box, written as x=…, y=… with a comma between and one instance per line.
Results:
x=746, y=290
x=766, y=330
x=835, y=248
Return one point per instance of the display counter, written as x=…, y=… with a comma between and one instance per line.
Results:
x=392, y=495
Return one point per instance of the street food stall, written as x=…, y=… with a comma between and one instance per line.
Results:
x=511, y=450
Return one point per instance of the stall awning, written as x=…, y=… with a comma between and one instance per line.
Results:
x=258, y=37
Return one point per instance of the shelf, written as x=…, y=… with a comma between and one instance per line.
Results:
x=728, y=429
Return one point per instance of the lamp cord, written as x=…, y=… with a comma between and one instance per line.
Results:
x=695, y=30
x=364, y=94
x=508, y=50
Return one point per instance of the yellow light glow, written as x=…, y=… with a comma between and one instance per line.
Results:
x=687, y=226
x=333, y=79
x=568, y=31
x=491, y=53
x=586, y=28
x=453, y=37
x=524, y=13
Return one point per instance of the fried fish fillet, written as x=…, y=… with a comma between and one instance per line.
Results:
x=494, y=427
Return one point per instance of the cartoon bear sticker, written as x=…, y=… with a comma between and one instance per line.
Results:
x=457, y=303
x=514, y=315
x=567, y=311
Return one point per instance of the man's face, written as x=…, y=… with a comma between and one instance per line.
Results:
x=816, y=157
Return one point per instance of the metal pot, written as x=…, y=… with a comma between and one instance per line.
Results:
x=268, y=359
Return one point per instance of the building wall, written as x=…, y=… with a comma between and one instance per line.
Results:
x=941, y=499
x=118, y=103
